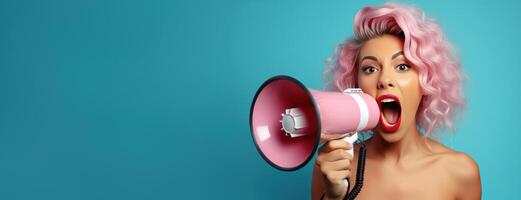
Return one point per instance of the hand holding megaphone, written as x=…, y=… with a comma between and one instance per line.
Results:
x=334, y=162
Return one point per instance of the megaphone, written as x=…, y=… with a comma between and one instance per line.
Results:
x=288, y=120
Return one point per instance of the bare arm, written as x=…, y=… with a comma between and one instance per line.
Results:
x=317, y=188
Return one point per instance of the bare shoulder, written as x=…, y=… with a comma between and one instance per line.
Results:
x=461, y=170
x=459, y=165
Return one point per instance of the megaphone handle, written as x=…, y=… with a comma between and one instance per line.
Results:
x=351, y=139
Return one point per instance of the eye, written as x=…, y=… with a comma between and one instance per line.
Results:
x=369, y=69
x=402, y=67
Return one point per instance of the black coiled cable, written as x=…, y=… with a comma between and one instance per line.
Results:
x=359, y=175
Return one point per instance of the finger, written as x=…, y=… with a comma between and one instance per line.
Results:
x=336, y=144
x=338, y=165
x=339, y=154
x=338, y=177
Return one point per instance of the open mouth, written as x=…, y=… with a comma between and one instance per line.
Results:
x=391, y=112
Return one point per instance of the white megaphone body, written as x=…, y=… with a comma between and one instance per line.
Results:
x=288, y=121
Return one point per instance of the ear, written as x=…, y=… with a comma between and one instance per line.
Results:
x=423, y=93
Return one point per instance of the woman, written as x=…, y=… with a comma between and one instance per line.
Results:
x=401, y=59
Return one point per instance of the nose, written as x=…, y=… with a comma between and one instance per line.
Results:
x=385, y=82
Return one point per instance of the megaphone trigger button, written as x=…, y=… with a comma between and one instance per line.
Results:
x=353, y=90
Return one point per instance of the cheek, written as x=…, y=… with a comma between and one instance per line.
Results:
x=409, y=84
x=368, y=84
x=411, y=91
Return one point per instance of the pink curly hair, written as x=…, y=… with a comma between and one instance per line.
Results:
x=425, y=47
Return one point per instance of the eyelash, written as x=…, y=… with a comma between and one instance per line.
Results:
x=400, y=65
x=367, y=68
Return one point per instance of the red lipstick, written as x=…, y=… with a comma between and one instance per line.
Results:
x=390, y=109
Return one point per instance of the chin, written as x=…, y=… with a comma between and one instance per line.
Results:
x=391, y=137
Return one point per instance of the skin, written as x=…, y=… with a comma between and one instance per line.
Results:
x=400, y=164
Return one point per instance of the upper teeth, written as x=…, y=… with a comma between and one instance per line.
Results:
x=388, y=100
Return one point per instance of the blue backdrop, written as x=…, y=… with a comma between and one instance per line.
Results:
x=150, y=100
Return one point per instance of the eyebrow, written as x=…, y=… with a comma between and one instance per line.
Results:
x=370, y=58
x=400, y=53
x=397, y=54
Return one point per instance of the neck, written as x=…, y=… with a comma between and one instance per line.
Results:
x=410, y=145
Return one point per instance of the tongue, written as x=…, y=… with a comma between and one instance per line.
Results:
x=391, y=115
